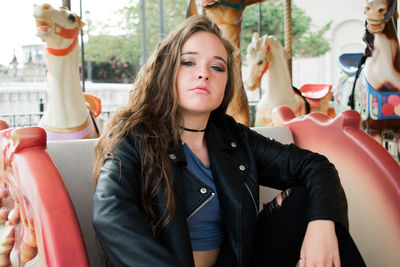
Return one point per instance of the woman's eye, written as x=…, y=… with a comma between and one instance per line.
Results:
x=187, y=63
x=217, y=68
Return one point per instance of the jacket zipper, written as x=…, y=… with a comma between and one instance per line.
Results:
x=254, y=202
x=202, y=205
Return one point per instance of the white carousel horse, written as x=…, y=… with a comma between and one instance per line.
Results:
x=66, y=115
x=267, y=68
x=376, y=91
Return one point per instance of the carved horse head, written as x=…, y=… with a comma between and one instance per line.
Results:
x=378, y=13
x=66, y=115
x=262, y=54
x=58, y=28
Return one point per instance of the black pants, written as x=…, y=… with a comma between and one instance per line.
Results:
x=281, y=230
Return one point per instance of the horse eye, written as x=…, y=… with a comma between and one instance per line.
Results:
x=260, y=62
x=72, y=18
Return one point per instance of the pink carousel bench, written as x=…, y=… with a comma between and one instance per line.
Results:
x=56, y=188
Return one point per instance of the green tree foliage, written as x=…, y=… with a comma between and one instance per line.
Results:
x=116, y=50
x=306, y=43
x=125, y=48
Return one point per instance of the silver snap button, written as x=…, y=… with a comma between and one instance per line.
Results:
x=172, y=156
x=233, y=144
x=242, y=167
x=203, y=190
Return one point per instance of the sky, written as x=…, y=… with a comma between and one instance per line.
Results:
x=17, y=25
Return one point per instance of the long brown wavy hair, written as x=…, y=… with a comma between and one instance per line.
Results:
x=153, y=116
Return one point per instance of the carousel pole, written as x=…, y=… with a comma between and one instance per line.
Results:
x=398, y=20
x=259, y=19
x=82, y=51
x=67, y=4
x=260, y=32
x=288, y=33
x=162, y=34
x=143, y=20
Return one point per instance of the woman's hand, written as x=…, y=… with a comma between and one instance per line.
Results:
x=320, y=245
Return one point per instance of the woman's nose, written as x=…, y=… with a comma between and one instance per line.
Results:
x=203, y=74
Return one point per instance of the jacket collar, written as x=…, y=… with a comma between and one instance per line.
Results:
x=224, y=141
x=177, y=155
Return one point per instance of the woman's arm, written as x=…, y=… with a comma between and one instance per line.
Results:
x=120, y=227
x=287, y=165
x=283, y=166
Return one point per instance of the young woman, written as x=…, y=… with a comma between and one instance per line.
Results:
x=177, y=179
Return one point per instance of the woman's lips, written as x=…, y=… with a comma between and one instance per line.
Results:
x=201, y=90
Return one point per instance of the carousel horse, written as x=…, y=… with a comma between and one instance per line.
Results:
x=374, y=89
x=266, y=62
x=66, y=115
x=228, y=15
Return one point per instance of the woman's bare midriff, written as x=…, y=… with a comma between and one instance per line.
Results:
x=205, y=258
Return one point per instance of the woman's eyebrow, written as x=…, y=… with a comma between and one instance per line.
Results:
x=220, y=58
x=189, y=53
x=195, y=53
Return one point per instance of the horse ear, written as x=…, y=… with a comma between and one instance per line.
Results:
x=255, y=37
x=266, y=41
x=191, y=9
x=81, y=24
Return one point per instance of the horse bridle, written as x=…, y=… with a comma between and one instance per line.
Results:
x=390, y=12
x=266, y=66
x=239, y=7
x=66, y=34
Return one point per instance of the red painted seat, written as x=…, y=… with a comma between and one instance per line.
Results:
x=369, y=174
x=40, y=223
x=314, y=93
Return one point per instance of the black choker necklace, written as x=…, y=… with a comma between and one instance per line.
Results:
x=193, y=130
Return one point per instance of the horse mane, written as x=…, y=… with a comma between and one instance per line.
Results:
x=368, y=38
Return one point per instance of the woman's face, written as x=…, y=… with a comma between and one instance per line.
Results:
x=202, y=74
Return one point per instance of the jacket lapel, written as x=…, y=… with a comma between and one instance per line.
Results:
x=229, y=181
x=176, y=234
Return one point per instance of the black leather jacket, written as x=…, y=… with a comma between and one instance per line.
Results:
x=241, y=160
